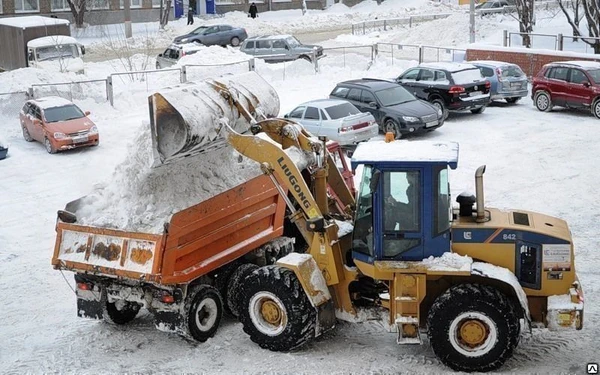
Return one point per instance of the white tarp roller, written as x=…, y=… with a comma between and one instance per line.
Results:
x=189, y=118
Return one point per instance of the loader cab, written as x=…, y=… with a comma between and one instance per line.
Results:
x=403, y=209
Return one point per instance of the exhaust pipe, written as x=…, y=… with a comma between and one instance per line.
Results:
x=479, y=194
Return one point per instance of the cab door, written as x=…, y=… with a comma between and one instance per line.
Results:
x=36, y=129
x=580, y=91
x=311, y=121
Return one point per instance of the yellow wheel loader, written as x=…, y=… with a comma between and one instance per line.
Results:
x=473, y=277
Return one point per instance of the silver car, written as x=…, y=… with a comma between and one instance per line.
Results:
x=175, y=52
x=336, y=119
x=279, y=48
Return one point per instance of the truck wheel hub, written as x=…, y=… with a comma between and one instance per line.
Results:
x=271, y=312
x=473, y=332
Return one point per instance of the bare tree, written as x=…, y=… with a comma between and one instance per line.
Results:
x=130, y=54
x=78, y=8
x=591, y=11
x=525, y=18
x=165, y=9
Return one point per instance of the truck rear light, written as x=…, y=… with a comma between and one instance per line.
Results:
x=456, y=90
x=167, y=298
x=344, y=129
x=85, y=286
x=487, y=84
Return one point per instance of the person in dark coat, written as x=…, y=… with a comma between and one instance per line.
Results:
x=190, y=16
x=253, y=11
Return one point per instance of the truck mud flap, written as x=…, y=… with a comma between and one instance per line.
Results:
x=89, y=309
x=325, y=317
x=168, y=321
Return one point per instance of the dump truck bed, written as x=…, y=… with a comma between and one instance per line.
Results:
x=196, y=241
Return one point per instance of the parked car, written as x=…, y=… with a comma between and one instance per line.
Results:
x=570, y=84
x=336, y=119
x=58, y=124
x=279, y=48
x=450, y=86
x=507, y=81
x=175, y=52
x=220, y=35
x=395, y=109
x=495, y=6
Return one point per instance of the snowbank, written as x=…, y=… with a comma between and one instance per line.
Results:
x=3, y=142
x=141, y=198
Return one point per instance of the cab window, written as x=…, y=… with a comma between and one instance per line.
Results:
x=411, y=75
x=362, y=236
x=311, y=113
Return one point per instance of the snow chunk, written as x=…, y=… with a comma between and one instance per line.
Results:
x=344, y=227
x=379, y=151
x=448, y=262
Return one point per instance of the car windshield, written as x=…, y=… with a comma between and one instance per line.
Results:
x=293, y=42
x=394, y=96
x=341, y=110
x=56, y=52
x=463, y=77
x=595, y=74
x=512, y=71
x=200, y=30
x=64, y=113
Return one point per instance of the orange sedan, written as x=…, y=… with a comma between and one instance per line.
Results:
x=58, y=124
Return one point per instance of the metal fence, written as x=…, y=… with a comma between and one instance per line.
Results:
x=361, y=28
x=12, y=102
x=360, y=57
x=395, y=51
x=95, y=88
x=558, y=42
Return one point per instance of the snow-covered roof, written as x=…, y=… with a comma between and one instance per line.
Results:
x=493, y=63
x=581, y=63
x=32, y=21
x=270, y=37
x=51, y=102
x=449, y=66
x=51, y=41
x=406, y=151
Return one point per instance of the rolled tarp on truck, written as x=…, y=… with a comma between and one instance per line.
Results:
x=190, y=118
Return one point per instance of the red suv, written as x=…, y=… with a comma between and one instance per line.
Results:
x=570, y=84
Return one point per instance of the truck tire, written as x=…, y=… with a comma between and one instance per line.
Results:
x=276, y=312
x=234, y=286
x=221, y=281
x=203, y=310
x=473, y=327
x=120, y=312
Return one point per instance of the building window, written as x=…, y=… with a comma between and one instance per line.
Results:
x=58, y=5
x=156, y=3
x=97, y=4
x=134, y=4
x=24, y=6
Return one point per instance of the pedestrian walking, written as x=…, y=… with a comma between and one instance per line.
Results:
x=190, y=16
x=253, y=11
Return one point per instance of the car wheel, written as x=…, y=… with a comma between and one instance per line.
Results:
x=157, y=65
x=478, y=110
x=235, y=41
x=26, y=135
x=49, y=147
x=390, y=126
x=596, y=108
x=304, y=57
x=512, y=100
x=542, y=101
x=439, y=103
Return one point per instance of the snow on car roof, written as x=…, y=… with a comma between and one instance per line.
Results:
x=51, y=41
x=269, y=37
x=188, y=46
x=325, y=103
x=406, y=151
x=32, y=21
x=490, y=62
x=581, y=63
x=449, y=66
x=51, y=102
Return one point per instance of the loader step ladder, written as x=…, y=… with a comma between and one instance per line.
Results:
x=408, y=291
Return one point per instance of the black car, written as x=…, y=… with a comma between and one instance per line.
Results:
x=220, y=35
x=449, y=86
x=395, y=109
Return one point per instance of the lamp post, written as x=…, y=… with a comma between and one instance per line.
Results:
x=472, y=21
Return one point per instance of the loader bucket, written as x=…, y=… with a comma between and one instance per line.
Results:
x=190, y=118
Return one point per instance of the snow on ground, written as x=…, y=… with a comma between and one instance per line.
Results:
x=535, y=161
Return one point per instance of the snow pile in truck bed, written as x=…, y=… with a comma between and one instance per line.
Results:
x=141, y=198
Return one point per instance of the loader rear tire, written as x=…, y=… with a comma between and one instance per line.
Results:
x=473, y=327
x=234, y=287
x=203, y=311
x=276, y=312
x=120, y=312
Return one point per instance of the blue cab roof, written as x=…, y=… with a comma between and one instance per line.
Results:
x=406, y=152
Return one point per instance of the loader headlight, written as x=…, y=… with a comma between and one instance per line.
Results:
x=59, y=135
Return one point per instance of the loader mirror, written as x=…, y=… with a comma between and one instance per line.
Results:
x=374, y=180
x=585, y=84
x=30, y=56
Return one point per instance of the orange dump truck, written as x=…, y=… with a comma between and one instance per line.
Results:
x=184, y=274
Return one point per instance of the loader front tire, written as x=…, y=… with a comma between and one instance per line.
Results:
x=203, y=310
x=235, y=285
x=120, y=312
x=473, y=327
x=275, y=310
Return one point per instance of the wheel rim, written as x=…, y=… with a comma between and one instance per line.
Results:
x=206, y=314
x=48, y=145
x=268, y=313
x=473, y=334
x=390, y=127
x=235, y=42
x=597, y=109
x=439, y=106
x=25, y=133
x=542, y=101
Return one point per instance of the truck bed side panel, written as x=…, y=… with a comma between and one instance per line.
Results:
x=221, y=229
x=107, y=251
